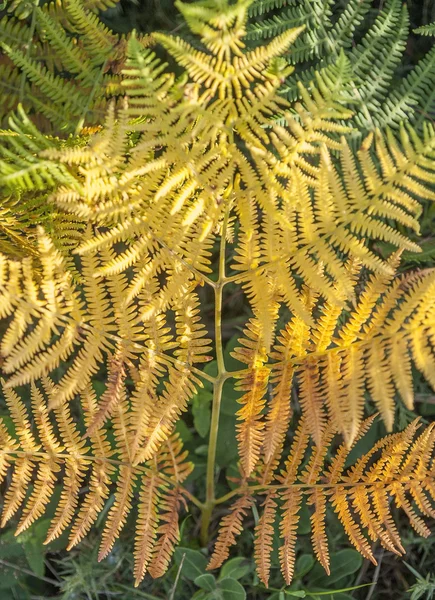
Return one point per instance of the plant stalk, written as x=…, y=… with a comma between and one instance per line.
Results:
x=210, y=499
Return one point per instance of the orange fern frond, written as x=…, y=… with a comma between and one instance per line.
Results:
x=62, y=453
x=230, y=528
x=264, y=537
x=398, y=466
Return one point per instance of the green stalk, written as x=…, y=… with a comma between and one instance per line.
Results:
x=218, y=384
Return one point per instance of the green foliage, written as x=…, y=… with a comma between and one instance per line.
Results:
x=373, y=42
x=62, y=64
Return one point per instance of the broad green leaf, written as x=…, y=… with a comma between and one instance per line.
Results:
x=236, y=568
x=184, y=431
x=304, y=564
x=231, y=589
x=226, y=452
x=343, y=563
x=32, y=541
x=194, y=562
x=304, y=525
x=201, y=410
x=206, y=582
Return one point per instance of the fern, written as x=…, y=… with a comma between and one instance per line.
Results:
x=358, y=494
x=426, y=29
x=159, y=480
x=189, y=185
x=375, y=49
x=68, y=61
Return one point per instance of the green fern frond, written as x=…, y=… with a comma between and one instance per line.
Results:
x=376, y=58
x=63, y=41
x=414, y=95
x=426, y=29
x=19, y=167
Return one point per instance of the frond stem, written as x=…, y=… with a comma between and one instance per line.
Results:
x=217, y=390
x=254, y=489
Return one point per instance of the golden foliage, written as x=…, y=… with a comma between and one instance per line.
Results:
x=48, y=453
x=399, y=467
x=185, y=168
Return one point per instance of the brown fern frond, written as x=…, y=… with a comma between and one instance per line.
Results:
x=168, y=533
x=399, y=466
x=230, y=528
x=264, y=538
x=288, y=526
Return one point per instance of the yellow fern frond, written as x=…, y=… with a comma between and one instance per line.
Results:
x=390, y=324
x=64, y=455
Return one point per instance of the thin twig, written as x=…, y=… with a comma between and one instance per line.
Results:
x=174, y=587
x=376, y=575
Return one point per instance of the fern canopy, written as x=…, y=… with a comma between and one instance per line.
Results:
x=190, y=184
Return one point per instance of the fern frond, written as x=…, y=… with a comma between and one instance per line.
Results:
x=264, y=538
x=357, y=494
x=230, y=528
x=64, y=39
x=191, y=183
x=93, y=325
x=184, y=164
x=19, y=167
x=374, y=47
x=253, y=382
x=389, y=325
x=63, y=453
x=426, y=29
x=376, y=59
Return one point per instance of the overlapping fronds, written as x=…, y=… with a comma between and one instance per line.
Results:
x=55, y=318
x=187, y=171
x=399, y=468
x=346, y=354
x=23, y=8
x=56, y=451
x=375, y=56
x=103, y=281
x=68, y=63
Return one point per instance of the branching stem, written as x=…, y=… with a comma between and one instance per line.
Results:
x=218, y=384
